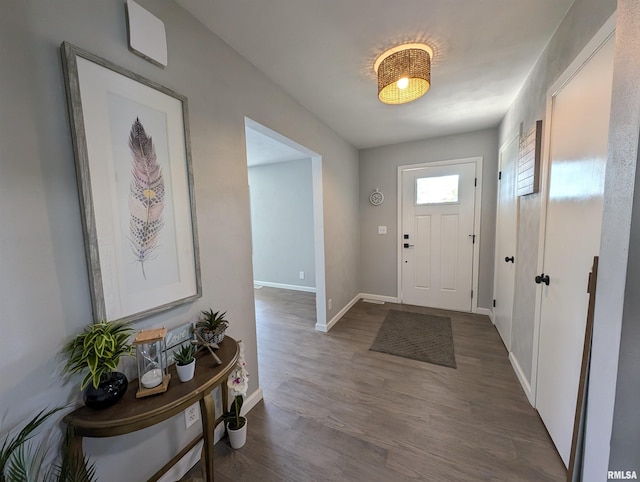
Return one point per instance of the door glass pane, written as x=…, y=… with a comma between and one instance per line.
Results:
x=437, y=190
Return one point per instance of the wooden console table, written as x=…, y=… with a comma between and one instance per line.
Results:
x=131, y=414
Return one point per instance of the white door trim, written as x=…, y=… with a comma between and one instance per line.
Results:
x=594, y=45
x=476, y=226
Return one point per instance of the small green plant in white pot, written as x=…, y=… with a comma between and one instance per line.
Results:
x=185, y=359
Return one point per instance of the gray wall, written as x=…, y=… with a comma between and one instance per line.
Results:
x=44, y=292
x=583, y=20
x=282, y=222
x=378, y=168
x=616, y=324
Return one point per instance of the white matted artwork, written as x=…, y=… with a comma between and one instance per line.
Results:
x=133, y=164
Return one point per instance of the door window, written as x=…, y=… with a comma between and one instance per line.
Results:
x=437, y=190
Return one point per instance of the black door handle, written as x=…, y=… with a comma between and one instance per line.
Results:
x=509, y=259
x=543, y=279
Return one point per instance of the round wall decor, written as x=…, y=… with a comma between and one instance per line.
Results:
x=376, y=197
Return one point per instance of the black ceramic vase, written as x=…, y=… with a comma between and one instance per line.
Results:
x=112, y=388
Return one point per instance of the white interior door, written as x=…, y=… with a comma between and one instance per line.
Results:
x=506, y=233
x=578, y=147
x=438, y=206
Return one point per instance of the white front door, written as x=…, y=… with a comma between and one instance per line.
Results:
x=438, y=206
x=506, y=231
x=578, y=149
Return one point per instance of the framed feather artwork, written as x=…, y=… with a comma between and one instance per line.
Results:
x=135, y=182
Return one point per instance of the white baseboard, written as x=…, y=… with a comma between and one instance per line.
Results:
x=192, y=457
x=386, y=299
x=308, y=289
x=251, y=401
x=336, y=318
x=526, y=387
x=343, y=311
x=488, y=312
x=184, y=465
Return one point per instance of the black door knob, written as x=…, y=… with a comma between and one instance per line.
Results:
x=509, y=259
x=543, y=279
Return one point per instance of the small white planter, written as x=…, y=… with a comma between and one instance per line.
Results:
x=237, y=438
x=186, y=372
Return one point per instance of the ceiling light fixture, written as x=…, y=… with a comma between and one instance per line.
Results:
x=404, y=73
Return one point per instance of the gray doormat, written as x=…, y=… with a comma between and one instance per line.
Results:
x=417, y=336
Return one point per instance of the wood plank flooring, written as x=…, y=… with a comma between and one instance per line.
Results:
x=335, y=411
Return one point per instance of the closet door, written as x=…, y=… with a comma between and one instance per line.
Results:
x=506, y=233
x=577, y=157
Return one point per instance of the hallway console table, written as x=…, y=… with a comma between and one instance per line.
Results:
x=131, y=413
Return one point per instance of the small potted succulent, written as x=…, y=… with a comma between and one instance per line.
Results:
x=97, y=351
x=185, y=359
x=212, y=327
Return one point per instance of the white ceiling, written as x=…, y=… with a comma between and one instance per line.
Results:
x=321, y=52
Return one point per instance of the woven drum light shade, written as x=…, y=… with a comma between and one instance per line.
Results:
x=411, y=62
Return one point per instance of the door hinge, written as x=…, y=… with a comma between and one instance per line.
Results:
x=475, y=182
x=494, y=303
x=471, y=294
x=499, y=175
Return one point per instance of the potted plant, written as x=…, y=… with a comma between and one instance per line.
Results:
x=21, y=460
x=97, y=351
x=238, y=384
x=185, y=359
x=212, y=327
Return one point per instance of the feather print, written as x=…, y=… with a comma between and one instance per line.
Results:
x=146, y=196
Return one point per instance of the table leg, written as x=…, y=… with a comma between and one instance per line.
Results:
x=208, y=413
x=75, y=451
x=225, y=396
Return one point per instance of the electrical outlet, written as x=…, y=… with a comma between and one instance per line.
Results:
x=330, y=303
x=301, y=274
x=192, y=415
x=382, y=230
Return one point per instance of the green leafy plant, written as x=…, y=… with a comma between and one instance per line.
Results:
x=97, y=350
x=186, y=354
x=21, y=461
x=73, y=465
x=11, y=446
x=212, y=322
x=233, y=418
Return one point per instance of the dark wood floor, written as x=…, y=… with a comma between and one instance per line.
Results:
x=333, y=410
